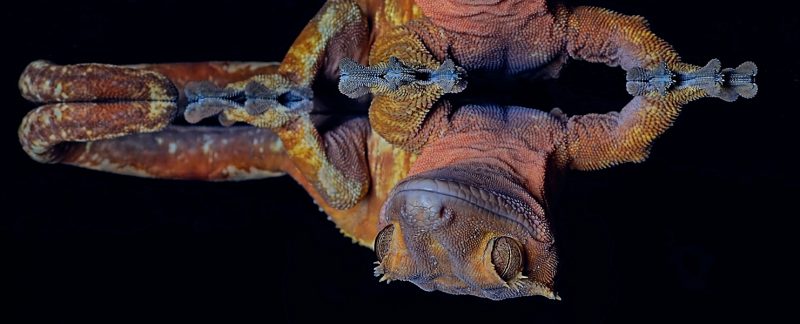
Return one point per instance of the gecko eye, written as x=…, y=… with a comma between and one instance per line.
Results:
x=506, y=257
x=382, y=242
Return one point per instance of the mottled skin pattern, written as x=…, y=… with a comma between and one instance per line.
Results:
x=452, y=197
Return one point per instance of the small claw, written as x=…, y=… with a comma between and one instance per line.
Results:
x=379, y=270
x=385, y=278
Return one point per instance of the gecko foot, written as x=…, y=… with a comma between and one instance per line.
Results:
x=356, y=80
x=207, y=99
x=268, y=101
x=726, y=84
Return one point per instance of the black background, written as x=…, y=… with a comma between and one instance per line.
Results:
x=696, y=234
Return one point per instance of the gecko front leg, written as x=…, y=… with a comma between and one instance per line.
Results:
x=598, y=141
x=284, y=101
x=656, y=76
x=603, y=36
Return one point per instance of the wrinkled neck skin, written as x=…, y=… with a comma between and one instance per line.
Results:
x=515, y=150
x=482, y=17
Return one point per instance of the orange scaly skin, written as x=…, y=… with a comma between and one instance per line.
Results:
x=451, y=198
x=534, y=39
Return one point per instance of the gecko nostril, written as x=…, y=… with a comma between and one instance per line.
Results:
x=425, y=210
x=445, y=213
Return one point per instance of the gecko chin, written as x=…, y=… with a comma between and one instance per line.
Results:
x=452, y=230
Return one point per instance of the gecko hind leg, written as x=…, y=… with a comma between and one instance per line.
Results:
x=329, y=162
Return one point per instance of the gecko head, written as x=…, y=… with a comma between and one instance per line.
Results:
x=466, y=229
